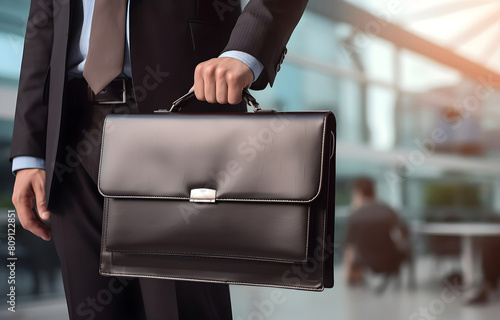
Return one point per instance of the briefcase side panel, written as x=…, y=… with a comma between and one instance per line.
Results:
x=251, y=231
x=329, y=183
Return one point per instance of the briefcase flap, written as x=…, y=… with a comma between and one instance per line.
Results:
x=264, y=156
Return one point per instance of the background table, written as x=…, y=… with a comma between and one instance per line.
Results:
x=466, y=231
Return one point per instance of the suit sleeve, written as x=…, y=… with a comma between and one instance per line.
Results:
x=263, y=30
x=30, y=122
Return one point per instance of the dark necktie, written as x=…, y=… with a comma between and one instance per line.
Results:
x=107, y=43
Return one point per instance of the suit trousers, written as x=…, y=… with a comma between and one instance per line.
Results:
x=76, y=223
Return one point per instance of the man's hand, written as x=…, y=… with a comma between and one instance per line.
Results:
x=221, y=80
x=29, y=192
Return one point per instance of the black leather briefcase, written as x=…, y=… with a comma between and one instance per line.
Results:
x=240, y=198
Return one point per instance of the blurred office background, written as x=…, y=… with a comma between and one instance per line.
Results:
x=415, y=87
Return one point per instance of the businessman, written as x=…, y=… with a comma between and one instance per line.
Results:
x=84, y=59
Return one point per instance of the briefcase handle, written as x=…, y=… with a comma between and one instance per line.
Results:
x=176, y=105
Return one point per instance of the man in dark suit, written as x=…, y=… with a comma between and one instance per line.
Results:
x=376, y=238
x=64, y=95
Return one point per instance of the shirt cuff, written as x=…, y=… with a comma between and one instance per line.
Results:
x=26, y=162
x=247, y=59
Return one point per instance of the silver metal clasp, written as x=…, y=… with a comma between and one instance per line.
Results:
x=202, y=195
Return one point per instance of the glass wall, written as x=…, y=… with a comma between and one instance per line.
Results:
x=389, y=102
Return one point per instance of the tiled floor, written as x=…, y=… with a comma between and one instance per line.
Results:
x=427, y=301
x=432, y=299
x=357, y=304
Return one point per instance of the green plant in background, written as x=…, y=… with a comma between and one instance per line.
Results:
x=453, y=195
x=454, y=202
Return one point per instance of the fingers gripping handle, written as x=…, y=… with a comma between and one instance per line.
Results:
x=177, y=104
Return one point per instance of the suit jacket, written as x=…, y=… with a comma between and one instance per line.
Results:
x=168, y=38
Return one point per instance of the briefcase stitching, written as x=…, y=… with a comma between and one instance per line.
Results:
x=214, y=281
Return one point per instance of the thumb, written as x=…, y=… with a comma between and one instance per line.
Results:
x=41, y=203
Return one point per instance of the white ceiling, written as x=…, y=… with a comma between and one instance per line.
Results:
x=470, y=28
